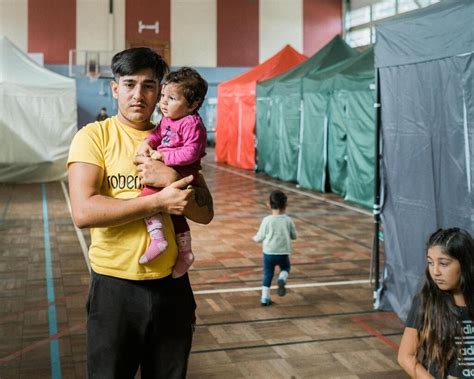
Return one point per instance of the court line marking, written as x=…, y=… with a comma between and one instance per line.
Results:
x=289, y=343
x=362, y=323
x=367, y=213
x=52, y=318
x=302, y=285
x=286, y=318
x=80, y=235
x=80, y=327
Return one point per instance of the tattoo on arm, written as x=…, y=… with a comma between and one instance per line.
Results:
x=203, y=197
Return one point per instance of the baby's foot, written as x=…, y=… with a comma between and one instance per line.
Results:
x=158, y=244
x=184, y=262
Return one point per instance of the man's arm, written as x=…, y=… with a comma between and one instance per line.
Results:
x=200, y=209
x=91, y=209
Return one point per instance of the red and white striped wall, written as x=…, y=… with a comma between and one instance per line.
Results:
x=206, y=33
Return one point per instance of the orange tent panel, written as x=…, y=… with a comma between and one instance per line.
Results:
x=235, y=122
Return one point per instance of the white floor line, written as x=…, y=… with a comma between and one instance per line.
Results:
x=289, y=189
x=302, y=285
x=80, y=236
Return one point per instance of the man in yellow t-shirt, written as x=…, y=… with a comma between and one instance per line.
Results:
x=137, y=315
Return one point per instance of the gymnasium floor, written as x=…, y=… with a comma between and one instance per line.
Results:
x=323, y=328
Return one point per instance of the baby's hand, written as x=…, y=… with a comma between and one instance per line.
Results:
x=145, y=149
x=157, y=155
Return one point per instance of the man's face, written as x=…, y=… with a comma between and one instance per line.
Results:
x=137, y=96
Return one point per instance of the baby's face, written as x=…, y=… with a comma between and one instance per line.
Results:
x=173, y=104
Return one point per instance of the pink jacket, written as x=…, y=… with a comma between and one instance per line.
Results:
x=182, y=141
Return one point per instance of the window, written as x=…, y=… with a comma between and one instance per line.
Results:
x=359, y=37
x=358, y=17
x=359, y=22
x=384, y=9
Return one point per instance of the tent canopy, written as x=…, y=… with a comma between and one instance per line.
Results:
x=425, y=62
x=332, y=53
x=38, y=118
x=279, y=102
x=438, y=31
x=235, y=125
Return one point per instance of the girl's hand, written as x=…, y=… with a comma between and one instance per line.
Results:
x=157, y=155
x=154, y=173
x=144, y=150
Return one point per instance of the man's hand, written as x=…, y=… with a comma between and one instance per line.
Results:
x=175, y=198
x=154, y=173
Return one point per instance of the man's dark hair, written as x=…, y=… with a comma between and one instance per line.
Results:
x=278, y=200
x=130, y=61
x=193, y=85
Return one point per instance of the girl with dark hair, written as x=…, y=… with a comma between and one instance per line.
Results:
x=438, y=341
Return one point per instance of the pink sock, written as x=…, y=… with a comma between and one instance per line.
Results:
x=158, y=242
x=185, y=255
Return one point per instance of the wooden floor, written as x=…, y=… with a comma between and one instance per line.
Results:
x=323, y=328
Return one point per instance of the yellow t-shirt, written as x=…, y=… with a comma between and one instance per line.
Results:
x=115, y=251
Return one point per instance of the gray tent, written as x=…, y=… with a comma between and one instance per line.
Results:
x=425, y=66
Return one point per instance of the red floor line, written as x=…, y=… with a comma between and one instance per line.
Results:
x=40, y=305
x=238, y=274
x=374, y=332
x=376, y=316
x=42, y=342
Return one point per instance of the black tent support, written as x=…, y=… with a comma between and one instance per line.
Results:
x=376, y=208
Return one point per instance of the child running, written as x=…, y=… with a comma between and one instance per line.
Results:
x=276, y=232
x=179, y=141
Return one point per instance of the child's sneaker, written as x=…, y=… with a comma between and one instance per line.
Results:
x=281, y=287
x=265, y=301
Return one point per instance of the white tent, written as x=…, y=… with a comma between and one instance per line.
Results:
x=38, y=118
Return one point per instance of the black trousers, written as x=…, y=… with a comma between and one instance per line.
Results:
x=147, y=323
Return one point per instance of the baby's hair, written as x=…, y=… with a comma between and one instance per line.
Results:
x=278, y=200
x=193, y=85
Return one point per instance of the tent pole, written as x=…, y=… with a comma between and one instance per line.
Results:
x=376, y=208
x=300, y=143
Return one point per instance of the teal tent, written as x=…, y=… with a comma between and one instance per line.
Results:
x=338, y=129
x=279, y=102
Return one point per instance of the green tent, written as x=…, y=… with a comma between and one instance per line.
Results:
x=279, y=102
x=338, y=130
